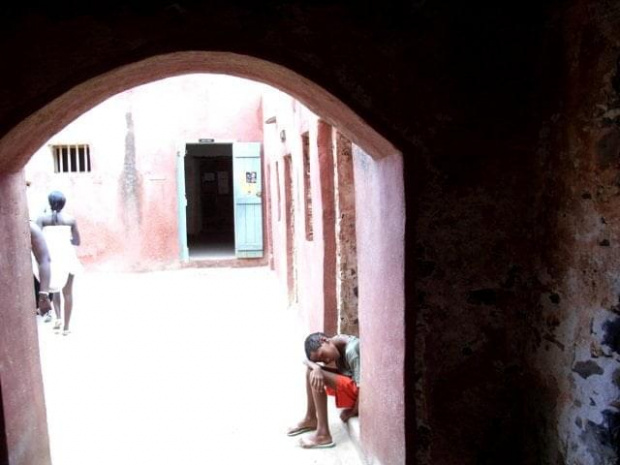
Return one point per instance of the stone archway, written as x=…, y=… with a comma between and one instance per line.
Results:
x=380, y=238
x=17, y=145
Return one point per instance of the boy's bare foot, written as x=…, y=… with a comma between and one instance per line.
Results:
x=302, y=427
x=346, y=414
x=316, y=442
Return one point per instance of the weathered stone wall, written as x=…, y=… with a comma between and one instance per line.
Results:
x=327, y=187
x=346, y=243
x=574, y=326
x=474, y=186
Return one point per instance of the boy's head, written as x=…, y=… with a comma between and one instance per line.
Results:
x=320, y=348
x=56, y=200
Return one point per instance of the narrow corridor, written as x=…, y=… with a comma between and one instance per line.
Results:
x=195, y=366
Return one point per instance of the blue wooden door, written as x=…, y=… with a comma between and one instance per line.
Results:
x=182, y=203
x=248, y=192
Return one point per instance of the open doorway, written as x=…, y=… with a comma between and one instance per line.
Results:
x=210, y=207
x=220, y=200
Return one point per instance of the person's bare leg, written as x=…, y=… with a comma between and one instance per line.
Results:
x=56, y=304
x=322, y=436
x=309, y=421
x=67, y=293
x=57, y=311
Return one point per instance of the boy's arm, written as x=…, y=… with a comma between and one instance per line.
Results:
x=317, y=380
x=310, y=364
x=354, y=362
x=75, y=233
x=42, y=256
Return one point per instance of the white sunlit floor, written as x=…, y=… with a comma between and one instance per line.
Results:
x=187, y=367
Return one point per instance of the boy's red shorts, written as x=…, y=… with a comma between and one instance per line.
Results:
x=345, y=392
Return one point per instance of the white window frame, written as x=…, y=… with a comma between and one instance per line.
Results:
x=71, y=158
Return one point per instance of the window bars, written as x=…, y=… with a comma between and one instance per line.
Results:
x=73, y=158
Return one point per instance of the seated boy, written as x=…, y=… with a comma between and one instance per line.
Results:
x=334, y=369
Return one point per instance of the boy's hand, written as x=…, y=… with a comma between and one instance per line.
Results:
x=45, y=303
x=317, y=380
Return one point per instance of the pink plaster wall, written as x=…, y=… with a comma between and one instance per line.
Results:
x=294, y=119
x=380, y=225
x=127, y=206
x=274, y=185
x=311, y=254
x=21, y=383
x=278, y=105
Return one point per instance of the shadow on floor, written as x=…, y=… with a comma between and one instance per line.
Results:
x=211, y=246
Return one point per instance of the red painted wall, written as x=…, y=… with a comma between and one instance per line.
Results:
x=21, y=383
x=127, y=206
x=326, y=217
x=311, y=252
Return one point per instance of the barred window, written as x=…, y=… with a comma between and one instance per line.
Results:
x=71, y=158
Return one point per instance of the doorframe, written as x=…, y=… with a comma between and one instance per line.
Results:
x=182, y=202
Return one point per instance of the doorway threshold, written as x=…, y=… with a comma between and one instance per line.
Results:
x=224, y=262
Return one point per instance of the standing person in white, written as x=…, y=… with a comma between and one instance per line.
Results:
x=62, y=235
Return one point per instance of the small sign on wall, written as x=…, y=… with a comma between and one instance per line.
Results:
x=250, y=184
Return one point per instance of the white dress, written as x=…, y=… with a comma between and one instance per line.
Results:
x=64, y=260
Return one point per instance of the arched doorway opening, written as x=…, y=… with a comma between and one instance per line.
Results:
x=380, y=233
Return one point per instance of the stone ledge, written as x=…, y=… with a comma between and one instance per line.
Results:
x=352, y=427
